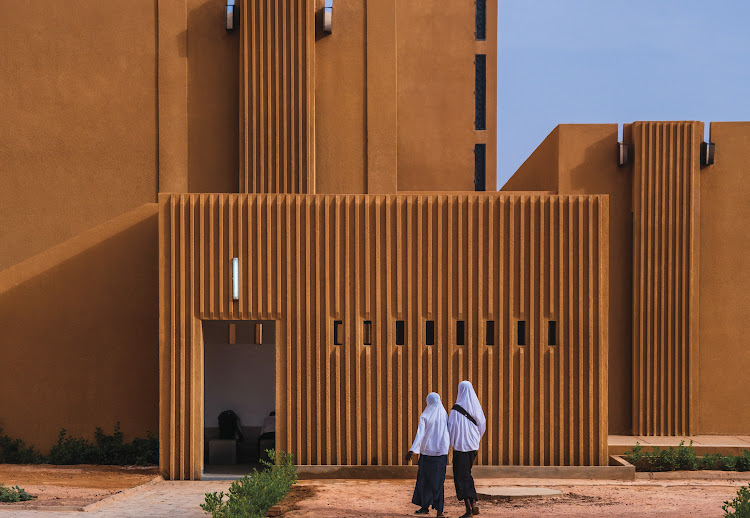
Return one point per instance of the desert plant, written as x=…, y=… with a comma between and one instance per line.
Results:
x=71, y=450
x=743, y=461
x=15, y=451
x=106, y=449
x=253, y=495
x=739, y=507
x=14, y=494
x=711, y=461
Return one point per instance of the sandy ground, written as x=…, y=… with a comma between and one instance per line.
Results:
x=71, y=485
x=581, y=498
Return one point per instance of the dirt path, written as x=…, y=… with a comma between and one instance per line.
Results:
x=56, y=486
x=374, y=499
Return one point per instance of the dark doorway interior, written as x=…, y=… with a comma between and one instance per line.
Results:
x=240, y=377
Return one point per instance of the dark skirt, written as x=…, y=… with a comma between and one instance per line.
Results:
x=462, y=462
x=429, y=489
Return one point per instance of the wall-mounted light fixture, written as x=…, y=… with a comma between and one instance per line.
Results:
x=235, y=278
x=328, y=17
x=623, y=154
x=231, y=16
x=708, y=150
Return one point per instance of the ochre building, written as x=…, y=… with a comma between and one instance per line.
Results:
x=299, y=217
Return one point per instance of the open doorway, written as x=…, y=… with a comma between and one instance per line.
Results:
x=239, y=394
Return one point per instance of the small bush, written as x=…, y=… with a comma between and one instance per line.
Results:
x=14, y=494
x=739, y=507
x=15, y=451
x=711, y=461
x=71, y=450
x=684, y=458
x=743, y=461
x=105, y=450
x=252, y=496
x=669, y=459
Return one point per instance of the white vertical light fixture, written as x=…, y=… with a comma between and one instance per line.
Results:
x=235, y=278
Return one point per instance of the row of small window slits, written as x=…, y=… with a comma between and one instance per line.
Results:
x=460, y=332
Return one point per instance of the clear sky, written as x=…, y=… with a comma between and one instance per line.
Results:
x=605, y=61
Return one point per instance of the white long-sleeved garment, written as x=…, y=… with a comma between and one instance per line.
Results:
x=464, y=434
x=432, y=432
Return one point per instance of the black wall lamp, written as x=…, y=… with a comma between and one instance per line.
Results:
x=231, y=16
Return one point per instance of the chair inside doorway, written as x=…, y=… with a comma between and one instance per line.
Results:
x=239, y=394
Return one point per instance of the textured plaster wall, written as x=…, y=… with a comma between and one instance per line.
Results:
x=436, y=135
x=79, y=334
x=580, y=159
x=212, y=99
x=725, y=283
x=79, y=125
x=341, y=102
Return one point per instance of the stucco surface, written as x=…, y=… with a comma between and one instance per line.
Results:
x=79, y=332
x=309, y=261
x=580, y=159
x=436, y=135
x=724, y=358
x=79, y=124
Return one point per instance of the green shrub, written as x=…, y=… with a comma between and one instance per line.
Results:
x=71, y=450
x=711, y=461
x=669, y=459
x=105, y=450
x=252, y=496
x=743, y=461
x=684, y=458
x=739, y=507
x=14, y=494
x=15, y=451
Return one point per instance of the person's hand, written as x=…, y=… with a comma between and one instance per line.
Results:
x=409, y=456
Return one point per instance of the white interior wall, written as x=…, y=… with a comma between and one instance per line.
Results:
x=240, y=377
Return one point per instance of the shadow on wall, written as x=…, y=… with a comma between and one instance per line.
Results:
x=79, y=339
x=213, y=99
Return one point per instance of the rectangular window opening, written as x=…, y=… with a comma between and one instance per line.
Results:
x=367, y=332
x=430, y=332
x=481, y=20
x=480, y=92
x=490, y=339
x=552, y=332
x=460, y=332
x=337, y=332
x=480, y=167
x=521, y=332
x=400, y=332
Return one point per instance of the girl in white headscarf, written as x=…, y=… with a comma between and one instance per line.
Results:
x=466, y=426
x=431, y=444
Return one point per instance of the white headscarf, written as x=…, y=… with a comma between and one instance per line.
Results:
x=464, y=434
x=432, y=432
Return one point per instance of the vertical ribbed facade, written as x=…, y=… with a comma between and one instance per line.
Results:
x=307, y=261
x=666, y=196
x=277, y=96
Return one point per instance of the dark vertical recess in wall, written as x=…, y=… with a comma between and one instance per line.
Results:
x=481, y=20
x=480, y=151
x=480, y=92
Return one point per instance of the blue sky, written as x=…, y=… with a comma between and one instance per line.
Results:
x=594, y=61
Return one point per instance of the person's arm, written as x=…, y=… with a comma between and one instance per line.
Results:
x=416, y=445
